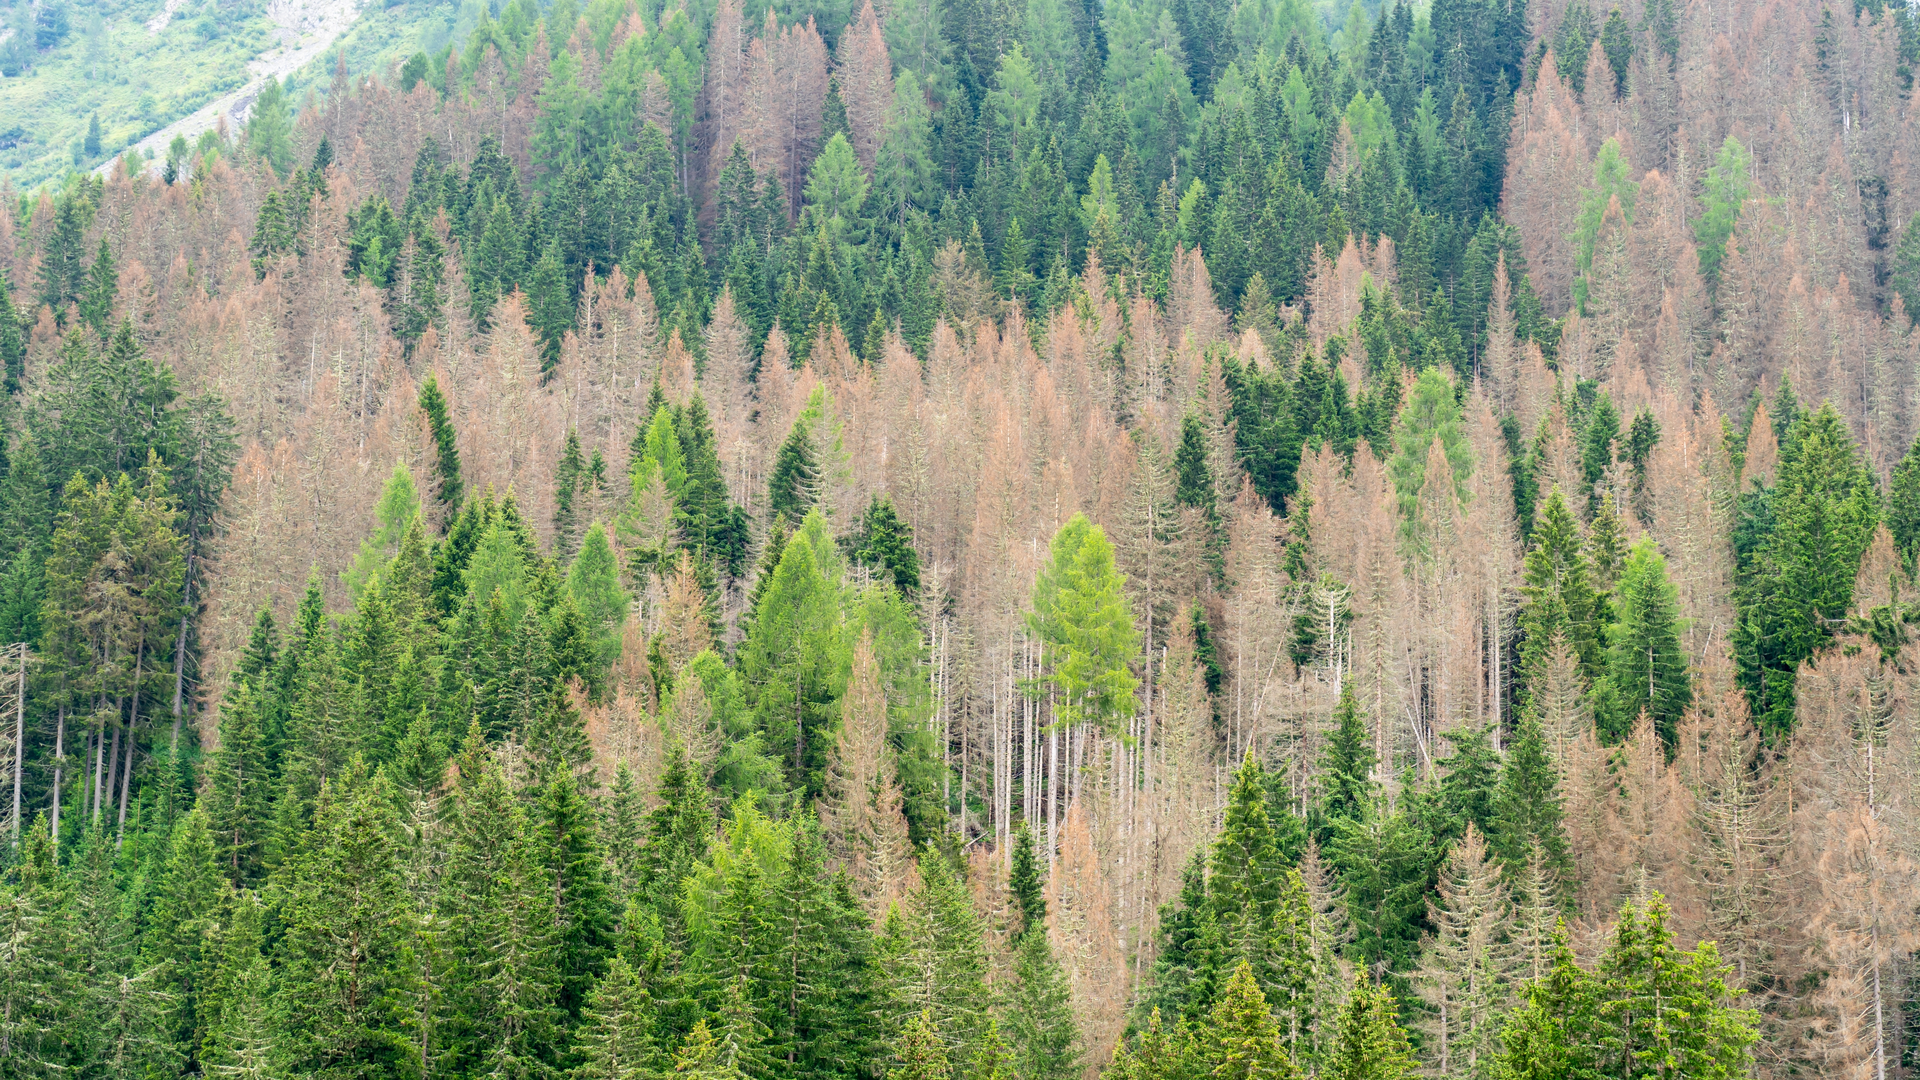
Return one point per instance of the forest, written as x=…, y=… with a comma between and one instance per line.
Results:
x=981, y=540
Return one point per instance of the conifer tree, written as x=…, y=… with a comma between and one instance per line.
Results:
x=593, y=580
x=1903, y=494
x=1646, y=1003
x=1561, y=602
x=794, y=484
x=1372, y=1044
x=103, y=287
x=1824, y=509
x=239, y=796
x=13, y=341
x=920, y=1053
x=269, y=129
x=177, y=947
x=238, y=1031
x=38, y=976
x=617, y=1035
x=1465, y=966
x=1526, y=809
x=1646, y=665
x=549, y=305
x=884, y=544
x=399, y=504
x=1346, y=774
x=452, y=492
x=1193, y=467
x=937, y=962
x=791, y=662
x=63, y=267
x=1245, y=878
x=1024, y=885
x=343, y=979
x=1241, y=1040
x=1080, y=612
x=584, y=914
x=1039, y=1013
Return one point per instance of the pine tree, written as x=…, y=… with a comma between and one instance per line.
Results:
x=1824, y=509
x=1561, y=602
x=1903, y=494
x=238, y=1038
x=452, y=492
x=103, y=286
x=1039, y=1013
x=920, y=1053
x=176, y=945
x=1646, y=665
x=239, y=797
x=617, y=1032
x=1372, y=1045
x=343, y=977
x=1241, y=1041
x=1465, y=966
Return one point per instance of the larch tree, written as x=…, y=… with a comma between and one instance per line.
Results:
x=1080, y=612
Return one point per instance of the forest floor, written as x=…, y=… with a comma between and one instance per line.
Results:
x=305, y=30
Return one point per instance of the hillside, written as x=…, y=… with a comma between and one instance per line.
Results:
x=990, y=538
x=150, y=69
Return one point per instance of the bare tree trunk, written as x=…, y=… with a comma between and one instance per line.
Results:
x=1053, y=802
x=103, y=799
x=133, y=723
x=19, y=741
x=99, y=750
x=180, y=663
x=59, y=767
x=1879, y=1027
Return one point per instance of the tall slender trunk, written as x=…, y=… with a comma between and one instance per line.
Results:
x=1053, y=803
x=19, y=740
x=59, y=767
x=126, y=785
x=1879, y=1027
x=180, y=662
x=99, y=768
x=103, y=801
x=133, y=723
